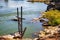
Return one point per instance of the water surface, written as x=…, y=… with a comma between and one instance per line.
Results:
x=30, y=11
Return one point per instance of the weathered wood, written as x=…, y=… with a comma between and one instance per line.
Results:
x=24, y=31
x=21, y=22
x=18, y=21
x=20, y=27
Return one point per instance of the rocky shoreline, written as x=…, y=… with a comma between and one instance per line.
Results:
x=12, y=37
x=51, y=32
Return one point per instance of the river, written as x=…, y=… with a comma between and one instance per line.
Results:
x=30, y=11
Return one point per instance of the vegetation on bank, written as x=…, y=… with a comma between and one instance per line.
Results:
x=53, y=16
x=53, y=30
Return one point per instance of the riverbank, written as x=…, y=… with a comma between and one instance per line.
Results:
x=50, y=33
x=12, y=37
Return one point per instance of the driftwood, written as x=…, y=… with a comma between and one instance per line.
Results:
x=17, y=19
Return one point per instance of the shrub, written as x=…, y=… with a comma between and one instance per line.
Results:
x=53, y=16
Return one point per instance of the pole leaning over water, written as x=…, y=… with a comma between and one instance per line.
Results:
x=19, y=23
x=20, y=27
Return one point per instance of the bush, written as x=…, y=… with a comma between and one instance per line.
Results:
x=53, y=16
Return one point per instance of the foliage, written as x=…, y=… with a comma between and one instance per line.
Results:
x=53, y=16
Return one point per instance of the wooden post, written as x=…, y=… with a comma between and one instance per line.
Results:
x=22, y=31
x=20, y=27
x=21, y=22
x=18, y=21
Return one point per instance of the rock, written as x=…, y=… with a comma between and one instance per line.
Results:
x=27, y=39
x=58, y=8
x=50, y=6
x=8, y=36
x=16, y=34
x=36, y=39
x=58, y=26
x=1, y=38
x=41, y=20
x=35, y=35
x=46, y=24
x=35, y=19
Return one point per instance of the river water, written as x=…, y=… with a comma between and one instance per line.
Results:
x=30, y=11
